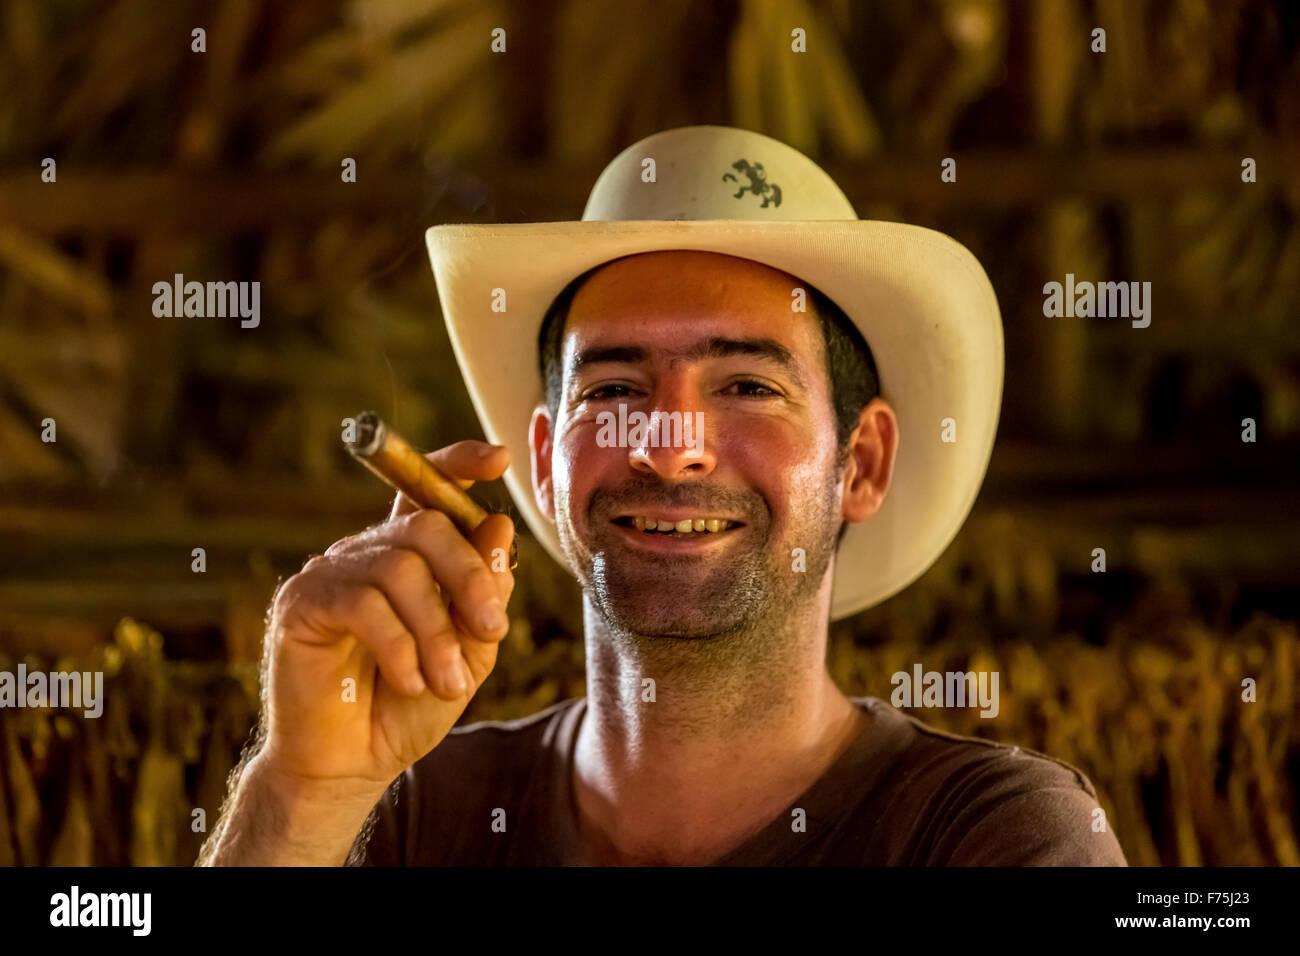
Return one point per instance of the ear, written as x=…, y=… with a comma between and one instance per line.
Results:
x=539, y=445
x=872, y=448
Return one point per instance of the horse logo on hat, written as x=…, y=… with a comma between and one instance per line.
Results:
x=758, y=184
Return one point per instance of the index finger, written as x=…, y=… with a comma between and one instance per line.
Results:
x=465, y=462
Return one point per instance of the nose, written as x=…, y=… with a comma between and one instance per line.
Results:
x=666, y=454
x=676, y=443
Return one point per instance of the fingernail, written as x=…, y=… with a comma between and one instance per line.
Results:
x=493, y=617
x=415, y=683
x=469, y=677
x=486, y=451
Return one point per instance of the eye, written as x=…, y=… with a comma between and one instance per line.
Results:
x=598, y=393
x=757, y=389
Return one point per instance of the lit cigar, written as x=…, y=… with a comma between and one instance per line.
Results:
x=391, y=457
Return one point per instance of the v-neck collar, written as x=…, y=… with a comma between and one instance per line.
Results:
x=852, y=776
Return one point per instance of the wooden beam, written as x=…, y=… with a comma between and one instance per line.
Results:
x=130, y=201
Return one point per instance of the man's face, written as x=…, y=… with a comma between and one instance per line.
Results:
x=714, y=339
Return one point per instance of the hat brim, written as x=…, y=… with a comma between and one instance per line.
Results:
x=922, y=301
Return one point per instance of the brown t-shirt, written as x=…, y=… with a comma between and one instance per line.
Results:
x=901, y=794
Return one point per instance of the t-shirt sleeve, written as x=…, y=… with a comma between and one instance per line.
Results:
x=1038, y=813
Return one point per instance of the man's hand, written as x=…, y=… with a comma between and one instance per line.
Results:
x=409, y=610
x=412, y=613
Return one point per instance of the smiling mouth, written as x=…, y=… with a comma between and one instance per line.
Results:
x=686, y=527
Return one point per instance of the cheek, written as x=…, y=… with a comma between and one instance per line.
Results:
x=784, y=467
x=578, y=467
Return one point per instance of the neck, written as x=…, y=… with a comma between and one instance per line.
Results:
x=690, y=746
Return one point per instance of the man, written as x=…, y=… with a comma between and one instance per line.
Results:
x=826, y=381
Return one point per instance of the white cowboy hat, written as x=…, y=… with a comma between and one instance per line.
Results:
x=921, y=299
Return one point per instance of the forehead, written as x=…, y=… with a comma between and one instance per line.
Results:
x=669, y=299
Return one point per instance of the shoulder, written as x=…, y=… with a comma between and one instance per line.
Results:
x=933, y=750
x=473, y=769
x=488, y=753
x=504, y=736
x=987, y=803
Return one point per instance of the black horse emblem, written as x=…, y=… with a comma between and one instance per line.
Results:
x=758, y=184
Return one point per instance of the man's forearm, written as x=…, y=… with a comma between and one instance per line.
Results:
x=274, y=820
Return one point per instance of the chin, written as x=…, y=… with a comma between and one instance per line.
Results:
x=692, y=626
x=687, y=628
x=670, y=613
x=670, y=596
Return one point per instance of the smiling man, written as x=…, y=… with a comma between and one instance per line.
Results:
x=743, y=717
x=828, y=361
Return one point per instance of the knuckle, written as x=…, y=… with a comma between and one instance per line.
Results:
x=288, y=588
x=479, y=578
x=353, y=541
x=429, y=521
x=396, y=645
x=316, y=563
x=402, y=566
x=290, y=592
x=443, y=632
x=368, y=602
x=475, y=582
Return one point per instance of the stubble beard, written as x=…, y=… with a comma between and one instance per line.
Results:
x=666, y=609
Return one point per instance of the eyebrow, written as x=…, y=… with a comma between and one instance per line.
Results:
x=710, y=348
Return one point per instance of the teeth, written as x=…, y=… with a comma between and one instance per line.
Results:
x=685, y=526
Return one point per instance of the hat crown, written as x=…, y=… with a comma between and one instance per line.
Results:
x=715, y=172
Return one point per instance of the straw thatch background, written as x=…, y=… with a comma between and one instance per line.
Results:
x=176, y=434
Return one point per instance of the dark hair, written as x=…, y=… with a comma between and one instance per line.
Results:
x=850, y=365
